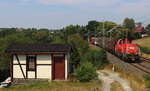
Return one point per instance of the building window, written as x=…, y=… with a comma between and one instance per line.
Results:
x=31, y=63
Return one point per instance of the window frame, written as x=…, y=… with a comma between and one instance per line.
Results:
x=28, y=63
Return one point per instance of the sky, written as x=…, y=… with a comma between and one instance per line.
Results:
x=56, y=14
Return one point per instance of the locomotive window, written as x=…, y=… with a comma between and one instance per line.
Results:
x=31, y=63
x=121, y=42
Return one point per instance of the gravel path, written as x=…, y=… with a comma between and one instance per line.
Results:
x=109, y=77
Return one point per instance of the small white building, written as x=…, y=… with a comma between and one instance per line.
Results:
x=39, y=61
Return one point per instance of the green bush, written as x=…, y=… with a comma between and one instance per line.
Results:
x=145, y=50
x=147, y=80
x=96, y=57
x=85, y=72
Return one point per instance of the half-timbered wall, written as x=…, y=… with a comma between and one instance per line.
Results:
x=17, y=73
x=43, y=67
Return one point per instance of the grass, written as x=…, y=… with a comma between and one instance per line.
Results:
x=144, y=44
x=57, y=86
x=147, y=80
x=145, y=55
x=115, y=86
x=137, y=83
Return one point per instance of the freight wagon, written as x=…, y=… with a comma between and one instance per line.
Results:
x=123, y=48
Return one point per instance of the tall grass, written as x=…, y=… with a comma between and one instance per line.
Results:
x=147, y=80
x=137, y=83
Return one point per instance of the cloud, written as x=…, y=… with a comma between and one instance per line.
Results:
x=102, y=8
x=135, y=8
x=80, y=2
x=56, y=1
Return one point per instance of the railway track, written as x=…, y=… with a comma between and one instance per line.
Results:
x=145, y=59
x=144, y=65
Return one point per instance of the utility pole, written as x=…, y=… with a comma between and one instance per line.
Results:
x=94, y=31
x=103, y=33
x=88, y=36
x=126, y=33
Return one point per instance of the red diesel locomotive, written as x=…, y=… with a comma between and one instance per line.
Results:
x=120, y=47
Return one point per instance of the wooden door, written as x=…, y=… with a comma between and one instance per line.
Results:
x=58, y=68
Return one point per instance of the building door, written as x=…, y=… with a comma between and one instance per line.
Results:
x=58, y=68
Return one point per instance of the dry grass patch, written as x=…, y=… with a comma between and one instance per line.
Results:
x=145, y=55
x=57, y=86
x=136, y=82
x=115, y=86
x=144, y=42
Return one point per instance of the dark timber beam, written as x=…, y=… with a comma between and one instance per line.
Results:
x=20, y=65
x=26, y=67
x=11, y=67
x=35, y=66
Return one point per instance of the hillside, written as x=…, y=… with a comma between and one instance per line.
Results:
x=144, y=44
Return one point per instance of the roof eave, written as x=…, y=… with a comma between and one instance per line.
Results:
x=24, y=53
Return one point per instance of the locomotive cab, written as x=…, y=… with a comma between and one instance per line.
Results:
x=126, y=50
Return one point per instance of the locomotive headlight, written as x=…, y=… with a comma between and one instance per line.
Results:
x=131, y=48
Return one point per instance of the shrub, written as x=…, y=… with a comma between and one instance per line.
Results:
x=147, y=80
x=145, y=50
x=96, y=57
x=85, y=72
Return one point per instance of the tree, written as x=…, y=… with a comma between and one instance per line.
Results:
x=95, y=28
x=71, y=29
x=96, y=57
x=79, y=47
x=147, y=27
x=79, y=43
x=109, y=25
x=92, y=27
x=82, y=30
x=5, y=32
x=129, y=23
x=41, y=36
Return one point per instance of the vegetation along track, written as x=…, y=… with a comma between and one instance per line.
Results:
x=143, y=65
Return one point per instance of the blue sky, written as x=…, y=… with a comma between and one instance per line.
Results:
x=55, y=14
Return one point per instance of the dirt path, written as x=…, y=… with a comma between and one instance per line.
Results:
x=109, y=77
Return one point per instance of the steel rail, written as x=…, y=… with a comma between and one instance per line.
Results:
x=140, y=68
x=145, y=59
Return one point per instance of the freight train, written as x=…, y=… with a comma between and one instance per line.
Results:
x=123, y=48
